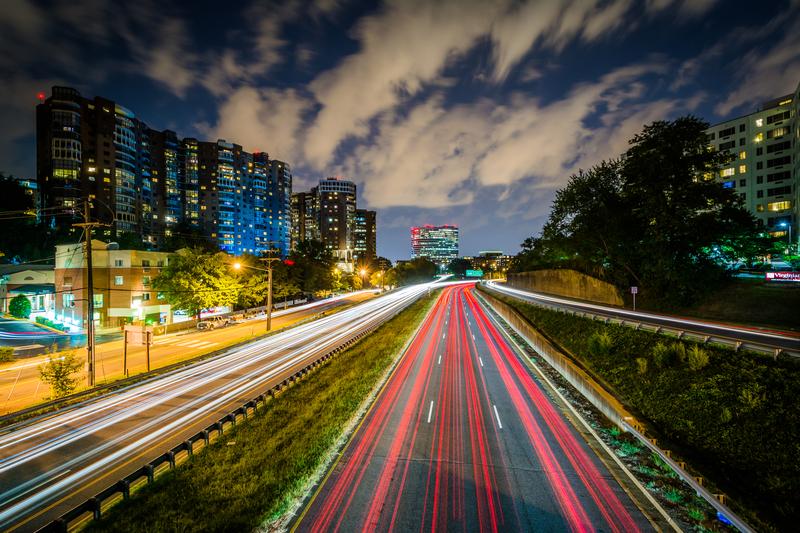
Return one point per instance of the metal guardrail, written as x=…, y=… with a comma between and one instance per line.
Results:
x=93, y=508
x=605, y=403
x=680, y=333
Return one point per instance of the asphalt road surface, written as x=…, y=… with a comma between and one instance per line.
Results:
x=776, y=339
x=50, y=464
x=21, y=386
x=462, y=438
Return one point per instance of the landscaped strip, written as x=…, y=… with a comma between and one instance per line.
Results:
x=255, y=472
x=732, y=415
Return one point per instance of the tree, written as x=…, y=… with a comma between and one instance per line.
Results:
x=58, y=373
x=417, y=270
x=459, y=266
x=313, y=268
x=655, y=218
x=254, y=284
x=195, y=280
x=20, y=306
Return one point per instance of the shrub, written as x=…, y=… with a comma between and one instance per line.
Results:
x=58, y=373
x=662, y=355
x=6, y=354
x=20, y=306
x=697, y=357
x=679, y=352
x=641, y=365
x=600, y=344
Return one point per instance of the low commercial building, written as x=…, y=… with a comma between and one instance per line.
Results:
x=35, y=282
x=122, y=286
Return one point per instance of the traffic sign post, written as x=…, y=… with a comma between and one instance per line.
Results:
x=634, y=290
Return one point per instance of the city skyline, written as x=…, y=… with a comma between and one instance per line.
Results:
x=515, y=98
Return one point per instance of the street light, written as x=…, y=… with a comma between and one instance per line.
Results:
x=363, y=273
x=268, y=260
x=787, y=225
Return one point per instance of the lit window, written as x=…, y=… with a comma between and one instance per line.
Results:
x=742, y=155
x=760, y=208
x=759, y=137
x=727, y=172
x=759, y=122
x=742, y=169
x=779, y=206
x=118, y=280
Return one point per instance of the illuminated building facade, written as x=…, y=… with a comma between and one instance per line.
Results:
x=765, y=167
x=437, y=243
x=150, y=183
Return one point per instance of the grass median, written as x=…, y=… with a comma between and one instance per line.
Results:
x=732, y=414
x=255, y=472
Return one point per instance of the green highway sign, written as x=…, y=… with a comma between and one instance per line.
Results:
x=475, y=273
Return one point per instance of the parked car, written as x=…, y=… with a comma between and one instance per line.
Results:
x=214, y=322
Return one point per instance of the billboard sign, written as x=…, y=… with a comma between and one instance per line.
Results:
x=782, y=276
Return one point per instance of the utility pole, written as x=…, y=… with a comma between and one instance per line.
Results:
x=268, y=261
x=88, y=225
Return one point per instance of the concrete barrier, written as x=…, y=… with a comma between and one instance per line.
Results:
x=569, y=283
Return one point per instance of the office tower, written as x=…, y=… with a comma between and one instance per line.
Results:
x=437, y=243
x=365, y=242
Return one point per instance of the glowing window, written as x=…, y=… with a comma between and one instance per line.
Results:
x=779, y=206
x=759, y=137
x=742, y=169
x=727, y=172
x=742, y=155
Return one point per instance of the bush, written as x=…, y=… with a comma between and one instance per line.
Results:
x=697, y=357
x=6, y=354
x=20, y=306
x=49, y=323
x=600, y=344
x=668, y=355
x=641, y=365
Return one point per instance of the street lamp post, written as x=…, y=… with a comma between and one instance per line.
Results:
x=268, y=261
x=788, y=225
x=363, y=273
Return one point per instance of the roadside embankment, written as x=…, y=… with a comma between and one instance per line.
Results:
x=732, y=415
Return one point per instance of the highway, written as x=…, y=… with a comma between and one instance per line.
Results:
x=774, y=339
x=462, y=438
x=50, y=464
x=21, y=386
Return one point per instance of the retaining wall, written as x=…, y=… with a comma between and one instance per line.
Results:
x=569, y=283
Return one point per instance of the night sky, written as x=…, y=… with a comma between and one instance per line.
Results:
x=461, y=112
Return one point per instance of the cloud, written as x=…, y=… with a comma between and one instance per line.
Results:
x=261, y=120
x=437, y=156
x=409, y=44
x=766, y=73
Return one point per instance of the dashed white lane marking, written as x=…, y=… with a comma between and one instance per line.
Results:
x=430, y=412
x=499, y=424
x=440, y=360
x=481, y=360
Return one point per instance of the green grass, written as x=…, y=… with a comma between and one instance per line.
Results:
x=238, y=487
x=732, y=415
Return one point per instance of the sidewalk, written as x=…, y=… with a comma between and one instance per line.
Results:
x=20, y=386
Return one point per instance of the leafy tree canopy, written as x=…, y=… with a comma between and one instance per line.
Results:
x=655, y=218
x=195, y=280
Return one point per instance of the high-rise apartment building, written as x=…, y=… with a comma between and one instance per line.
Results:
x=765, y=162
x=150, y=182
x=337, y=211
x=305, y=217
x=437, y=243
x=365, y=242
